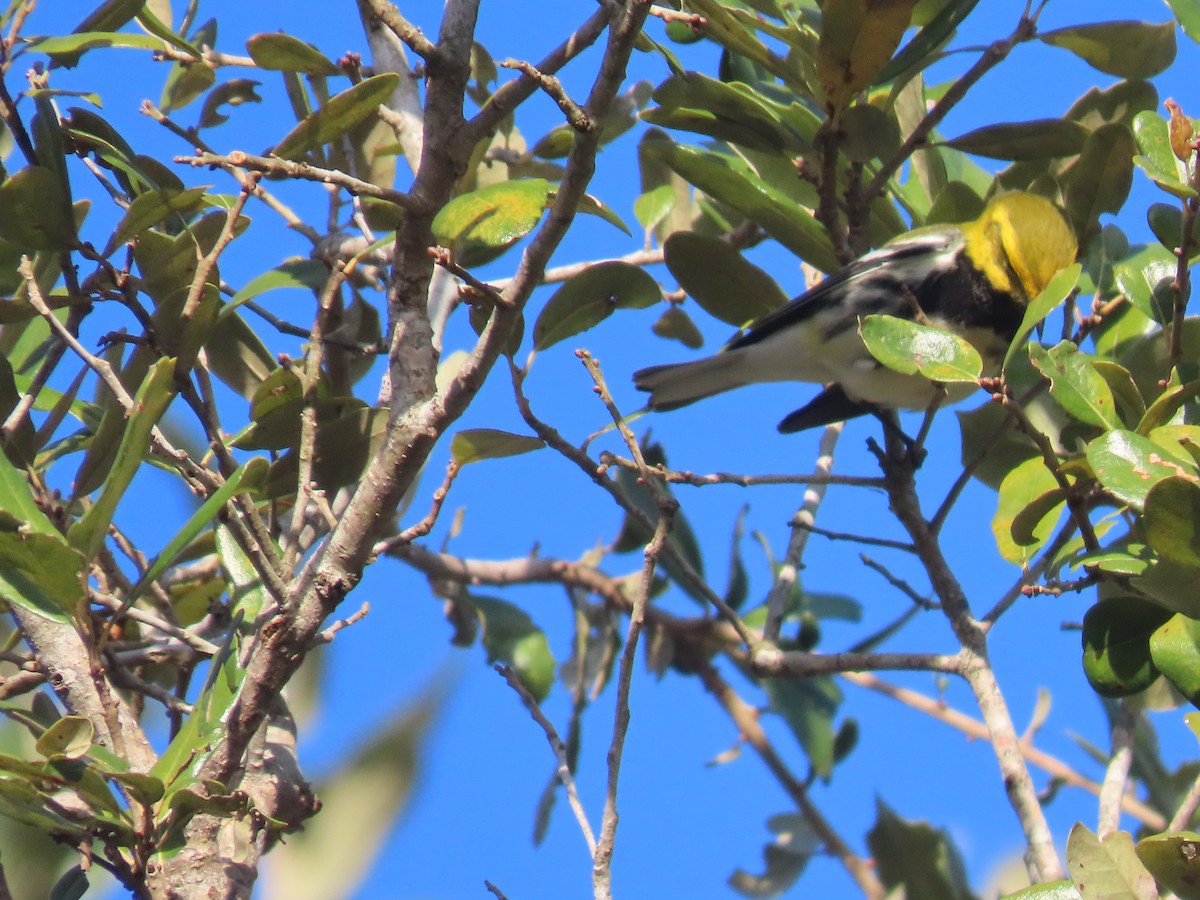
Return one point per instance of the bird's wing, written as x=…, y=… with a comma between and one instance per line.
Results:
x=887, y=263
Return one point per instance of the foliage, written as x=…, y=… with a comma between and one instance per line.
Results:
x=818, y=132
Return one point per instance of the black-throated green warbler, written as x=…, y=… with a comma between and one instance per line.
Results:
x=974, y=279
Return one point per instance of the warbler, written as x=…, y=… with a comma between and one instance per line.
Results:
x=974, y=279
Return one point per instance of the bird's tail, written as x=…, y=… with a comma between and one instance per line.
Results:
x=678, y=384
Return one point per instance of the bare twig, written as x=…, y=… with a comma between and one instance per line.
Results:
x=560, y=754
x=576, y=117
x=995, y=54
x=802, y=522
x=329, y=633
x=973, y=728
x=771, y=662
x=899, y=469
x=674, y=477
x=273, y=165
x=1116, y=775
x=745, y=717
x=602, y=858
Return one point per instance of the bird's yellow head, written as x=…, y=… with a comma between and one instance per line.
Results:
x=1020, y=242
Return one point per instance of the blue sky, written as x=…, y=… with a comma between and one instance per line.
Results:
x=685, y=826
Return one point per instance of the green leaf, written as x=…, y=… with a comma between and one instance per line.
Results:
x=785, y=859
x=232, y=93
x=1127, y=49
x=69, y=738
x=1157, y=159
x=1101, y=179
x=248, y=596
x=1171, y=519
x=71, y=45
x=730, y=112
x=474, y=444
x=590, y=297
x=338, y=116
x=1023, y=487
x=1056, y=292
x=148, y=20
x=71, y=886
x=808, y=706
x=249, y=473
x=1166, y=405
x=1175, y=650
x=634, y=536
x=1128, y=465
x=1166, y=221
x=1173, y=859
x=677, y=325
x=593, y=206
x=18, y=509
x=929, y=40
x=1107, y=868
x=1130, y=405
x=1145, y=279
x=915, y=856
x=283, y=53
x=1037, y=139
x=1075, y=384
x=510, y=636
x=41, y=573
x=153, y=397
x=653, y=206
x=35, y=211
x=295, y=273
x=150, y=209
x=237, y=355
x=111, y=15
x=479, y=226
x=1050, y=890
x=1116, y=645
x=909, y=347
x=858, y=39
x=1187, y=14
x=728, y=31
x=732, y=182
x=204, y=725
x=725, y=284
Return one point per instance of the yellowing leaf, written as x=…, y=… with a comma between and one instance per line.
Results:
x=858, y=38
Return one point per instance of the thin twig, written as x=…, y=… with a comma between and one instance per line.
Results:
x=746, y=718
x=978, y=730
x=995, y=54
x=560, y=753
x=602, y=858
x=770, y=662
x=802, y=524
x=1116, y=775
x=273, y=165
x=671, y=476
x=329, y=633
x=576, y=117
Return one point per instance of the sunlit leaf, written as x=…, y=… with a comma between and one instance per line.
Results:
x=338, y=116
x=908, y=347
x=284, y=53
x=1127, y=49
x=481, y=225
x=474, y=444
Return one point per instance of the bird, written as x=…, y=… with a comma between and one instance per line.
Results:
x=975, y=279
